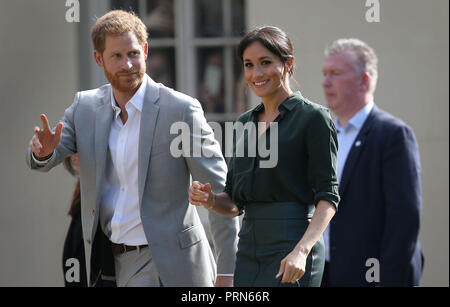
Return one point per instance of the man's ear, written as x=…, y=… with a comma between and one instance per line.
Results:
x=365, y=82
x=145, y=50
x=98, y=58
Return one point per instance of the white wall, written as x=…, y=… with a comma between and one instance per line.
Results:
x=39, y=74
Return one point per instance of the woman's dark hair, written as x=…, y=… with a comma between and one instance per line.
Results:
x=75, y=206
x=273, y=38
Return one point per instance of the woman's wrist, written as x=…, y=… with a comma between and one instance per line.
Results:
x=211, y=202
x=301, y=249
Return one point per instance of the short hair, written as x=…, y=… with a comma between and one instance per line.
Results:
x=117, y=22
x=367, y=60
x=273, y=38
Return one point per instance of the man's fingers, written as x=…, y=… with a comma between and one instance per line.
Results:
x=194, y=190
x=199, y=197
x=195, y=196
x=31, y=145
x=206, y=188
x=194, y=202
x=58, y=130
x=35, y=140
x=35, y=145
x=197, y=189
x=45, y=124
x=196, y=185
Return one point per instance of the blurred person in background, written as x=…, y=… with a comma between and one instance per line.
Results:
x=373, y=240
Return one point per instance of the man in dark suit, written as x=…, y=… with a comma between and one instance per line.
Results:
x=373, y=240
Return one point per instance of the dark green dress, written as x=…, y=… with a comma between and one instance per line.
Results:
x=279, y=198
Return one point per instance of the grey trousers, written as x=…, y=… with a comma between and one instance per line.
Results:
x=136, y=269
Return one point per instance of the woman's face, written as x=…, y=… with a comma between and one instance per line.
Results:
x=265, y=73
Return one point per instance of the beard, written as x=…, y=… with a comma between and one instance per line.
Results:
x=125, y=84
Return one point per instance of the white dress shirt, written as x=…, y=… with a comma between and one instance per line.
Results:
x=346, y=139
x=119, y=206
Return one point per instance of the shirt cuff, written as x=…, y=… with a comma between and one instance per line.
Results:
x=228, y=275
x=39, y=162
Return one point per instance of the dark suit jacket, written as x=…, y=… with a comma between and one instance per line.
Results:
x=102, y=261
x=379, y=212
x=74, y=248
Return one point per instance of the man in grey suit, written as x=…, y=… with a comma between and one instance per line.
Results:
x=134, y=191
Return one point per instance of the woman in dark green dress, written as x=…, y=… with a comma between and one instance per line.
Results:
x=288, y=196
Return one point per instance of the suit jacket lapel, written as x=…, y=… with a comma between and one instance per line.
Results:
x=355, y=151
x=150, y=111
x=103, y=119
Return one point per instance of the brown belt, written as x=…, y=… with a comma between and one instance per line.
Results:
x=119, y=249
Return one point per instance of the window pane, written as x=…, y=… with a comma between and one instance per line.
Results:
x=160, y=19
x=238, y=16
x=161, y=66
x=126, y=5
x=240, y=90
x=210, y=90
x=208, y=18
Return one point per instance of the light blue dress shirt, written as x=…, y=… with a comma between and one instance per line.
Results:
x=346, y=139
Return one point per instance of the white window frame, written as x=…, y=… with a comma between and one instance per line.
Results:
x=186, y=44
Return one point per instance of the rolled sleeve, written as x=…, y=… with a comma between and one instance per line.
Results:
x=322, y=151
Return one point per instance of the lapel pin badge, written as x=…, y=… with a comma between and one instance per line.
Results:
x=358, y=143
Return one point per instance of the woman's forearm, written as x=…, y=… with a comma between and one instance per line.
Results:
x=322, y=216
x=221, y=203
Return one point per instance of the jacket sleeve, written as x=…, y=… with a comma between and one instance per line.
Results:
x=67, y=144
x=206, y=164
x=402, y=196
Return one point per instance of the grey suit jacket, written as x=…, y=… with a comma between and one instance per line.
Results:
x=172, y=227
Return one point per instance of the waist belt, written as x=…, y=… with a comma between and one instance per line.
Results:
x=119, y=249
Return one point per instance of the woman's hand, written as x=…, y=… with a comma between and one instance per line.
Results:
x=293, y=266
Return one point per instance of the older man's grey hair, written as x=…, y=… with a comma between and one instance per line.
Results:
x=367, y=60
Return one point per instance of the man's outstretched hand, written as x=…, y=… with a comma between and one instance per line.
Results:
x=44, y=141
